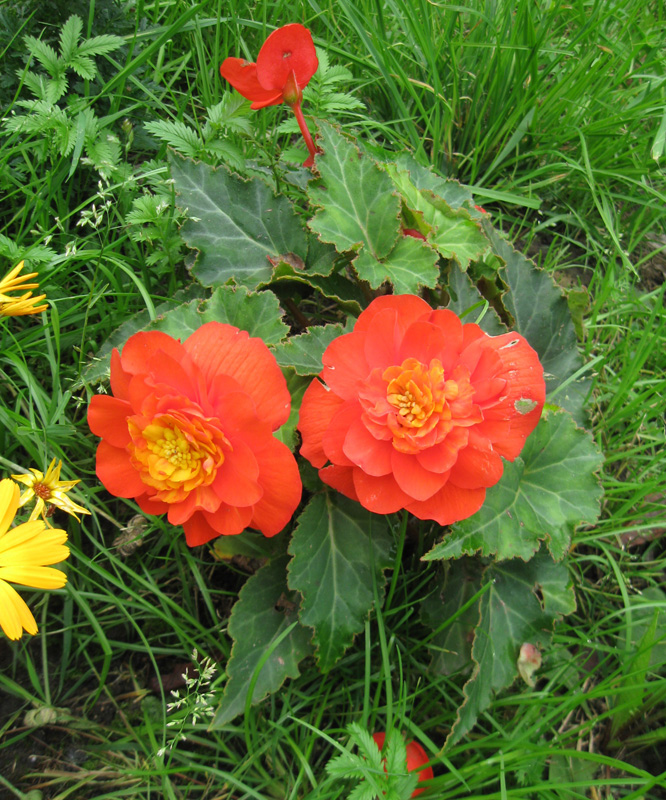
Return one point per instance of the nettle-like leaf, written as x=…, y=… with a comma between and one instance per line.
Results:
x=236, y=225
x=521, y=605
x=542, y=315
x=340, y=551
x=304, y=352
x=542, y=496
x=451, y=230
x=176, y=134
x=269, y=641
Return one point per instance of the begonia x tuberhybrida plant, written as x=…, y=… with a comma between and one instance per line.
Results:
x=189, y=432
x=415, y=410
x=286, y=62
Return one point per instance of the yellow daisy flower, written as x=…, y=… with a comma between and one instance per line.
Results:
x=19, y=306
x=24, y=552
x=48, y=490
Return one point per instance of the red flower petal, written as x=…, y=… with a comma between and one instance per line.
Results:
x=116, y=472
x=140, y=349
x=242, y=75
x=237, y=479
x=382, y=340
x=281, y=482
x=287, y=49
x=334, y=438
x=341, y=479
x=424, y=342
x=119, y=378
x=416, y=481
x=362, y=449
x=219, y=348
x=379, y=494
x=450, y=504
x=226, y=521
x=409, y=308
x=318, y=407
x=107, y=417
x=476, y=468
x=345, y=365
x=441, y=457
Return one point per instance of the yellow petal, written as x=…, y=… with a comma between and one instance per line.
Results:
x=22, y=534
x=49, y=554
x=14, y=613
x=35, y=577
x=9, y=499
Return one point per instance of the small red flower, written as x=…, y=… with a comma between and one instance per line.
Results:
x=416, y=758
x=188, y=432
x=415, y=410
x=286, y=62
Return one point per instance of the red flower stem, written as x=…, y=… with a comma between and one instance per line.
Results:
x=302, y=124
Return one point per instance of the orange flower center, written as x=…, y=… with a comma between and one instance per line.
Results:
x=41, y=491
x=175, y=452
x=418, y=404
x=417, y=392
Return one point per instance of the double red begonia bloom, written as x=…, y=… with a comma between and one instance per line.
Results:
x=189, y=432
x=286, y=62
x=417, y=410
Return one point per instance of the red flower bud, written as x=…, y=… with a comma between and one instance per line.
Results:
x=416, y=758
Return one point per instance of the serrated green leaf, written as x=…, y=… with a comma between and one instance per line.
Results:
x=100, y=45
x=542, y=495
x=467, y=303
x=346, y=293
x=303, y=353
x=45, y=54
x=451, y=647
x=455, y=194
x=238, y=224
x=69, y=37
x=176, y=134
x=339, y=550
x=83, y=66
x=357, y=209
x=451, y=231
x=510, y=616
x=249, y=544
x=256, y=625
x=542, y=315
x=411, y=265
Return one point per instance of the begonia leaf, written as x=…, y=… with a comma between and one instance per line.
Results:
x=236, y=225
x=453, y=232
x=346, y=293
x=469, y=304
x=264, y=612
x=543, y=495
x=542, y=315
x=339, y=551
x=410, y=265
x=521, y=606
x=303, y=353
x=445, y=611
x=357, y=207
x=455, y=194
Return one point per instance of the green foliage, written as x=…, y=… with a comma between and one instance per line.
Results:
x=542, y=496
x=340, y=552
x=73, y=129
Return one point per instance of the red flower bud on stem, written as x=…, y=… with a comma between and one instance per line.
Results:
x=286, y=62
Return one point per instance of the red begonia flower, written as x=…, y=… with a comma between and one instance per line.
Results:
x=288, y=51
x=416, y=758
x=286, y=62
x=188, y=432
x=415, y=410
